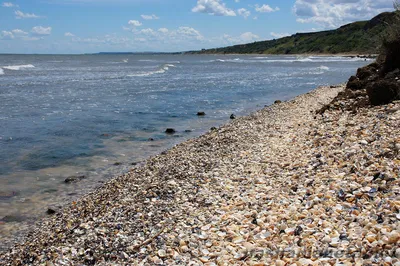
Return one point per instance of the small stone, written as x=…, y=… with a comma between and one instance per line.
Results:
x=277, y=102
x=393, y=237
x=364, y=142
x=397, y=253
x=232, y=116
x=201, y=113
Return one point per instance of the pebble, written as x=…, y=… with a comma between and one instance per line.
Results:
x=278, y=180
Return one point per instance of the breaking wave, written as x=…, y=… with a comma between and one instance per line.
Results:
x=164, y=68
x=18, y=67
x=291, y=59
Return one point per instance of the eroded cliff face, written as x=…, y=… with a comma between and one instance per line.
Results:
x=375, y=84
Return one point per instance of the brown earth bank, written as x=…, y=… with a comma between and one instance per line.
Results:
x=283, y=186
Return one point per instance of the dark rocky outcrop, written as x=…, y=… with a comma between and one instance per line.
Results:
x=383, y=91
x=232, y=116
x=375, y=84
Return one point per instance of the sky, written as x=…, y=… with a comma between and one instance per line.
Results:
x=90, y=26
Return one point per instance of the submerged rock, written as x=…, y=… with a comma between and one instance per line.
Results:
x=74, y=179
x=201, y=113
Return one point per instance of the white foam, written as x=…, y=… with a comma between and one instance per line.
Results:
x=1, y=71
x=161, y=70
x=18, y=67
x=125, y=61
x=324, y=68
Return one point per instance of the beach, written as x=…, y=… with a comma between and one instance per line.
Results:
x=282, y=186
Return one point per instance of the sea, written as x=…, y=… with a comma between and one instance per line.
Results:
x=97, y=116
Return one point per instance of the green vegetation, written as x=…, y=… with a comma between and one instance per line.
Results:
x=363, y=37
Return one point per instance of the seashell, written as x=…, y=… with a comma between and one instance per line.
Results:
x=162, y=253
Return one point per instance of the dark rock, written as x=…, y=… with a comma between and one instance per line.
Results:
x=170, y=131
x=213, y=128
x=50, y=211
x=343, y=236
x=392, y=55
x=73, y=179
x=298, y=230
x=354, y=83
x=117, y=163
x=188, y=131
x=201, y=113
x=380, y=219
x=393, y=74
x=341, y=194
x=383, y=92
x=277, y=102
x=150, y=139
x=232, y=116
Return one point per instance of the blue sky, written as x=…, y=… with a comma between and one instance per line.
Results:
x=86, y=26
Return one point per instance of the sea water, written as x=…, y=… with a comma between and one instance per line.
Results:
x=97, y=115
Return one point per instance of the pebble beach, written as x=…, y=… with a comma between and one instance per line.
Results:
x=282, y=186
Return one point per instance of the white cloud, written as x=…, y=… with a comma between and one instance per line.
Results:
x=8, y=4
x=19, y=15
x=244, y=12
x=69, y=34
x=19, y=32
x=332, y=14
x=266, y=9
x=41, y=31
x=6, y=35
x=213, y=7
x=134, y=23
x=279, y=35
x=163, y=30
x=246, y=37
x=149, y=17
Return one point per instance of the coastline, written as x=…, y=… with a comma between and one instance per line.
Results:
x=258, y=182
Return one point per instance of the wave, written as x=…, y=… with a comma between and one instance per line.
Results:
x=292, y=59
x=1, y=71
x=18, y=67
x=324, y=68
x=164, y=68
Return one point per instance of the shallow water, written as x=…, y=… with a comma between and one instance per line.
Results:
x=93, y=115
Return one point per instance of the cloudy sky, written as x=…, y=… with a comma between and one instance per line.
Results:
x=85, y=26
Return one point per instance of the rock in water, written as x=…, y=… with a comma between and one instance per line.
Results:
x=73, y=179
x=277, y=102
x=50, y=211
x=170, y=131
x=232, y=116
x=201, y=113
